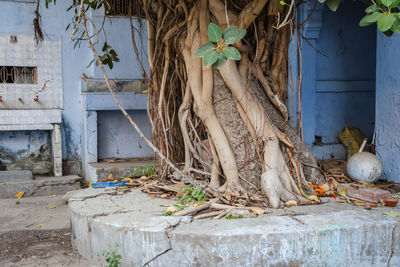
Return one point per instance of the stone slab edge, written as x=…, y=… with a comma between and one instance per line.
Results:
x=42, y=187
x=19, y=175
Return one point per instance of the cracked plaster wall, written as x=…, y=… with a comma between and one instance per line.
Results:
x=25, y=150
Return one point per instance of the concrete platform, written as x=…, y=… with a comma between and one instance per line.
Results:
x=99, y=171
x=40, y=186
x=332, y=234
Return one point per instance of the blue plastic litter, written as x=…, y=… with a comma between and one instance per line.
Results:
x=109, y=184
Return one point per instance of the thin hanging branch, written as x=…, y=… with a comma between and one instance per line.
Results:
x=36, y=25
x=178, y=172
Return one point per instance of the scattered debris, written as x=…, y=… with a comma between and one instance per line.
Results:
x=42, y=224
x=369, y=194
x=352, y=138
x=199, y=202
x=51, y=196
x=291, y=203
x=361, y=203
x=338, y=201
x=392, y=214
x=109, y=184
x=19, y=194
x=389, y=202
x=51, y=207
x=172, y=209
x=314, y=198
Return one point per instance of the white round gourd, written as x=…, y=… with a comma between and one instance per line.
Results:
x=364, y=166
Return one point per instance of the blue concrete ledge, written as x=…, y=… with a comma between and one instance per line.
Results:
x=105, y=101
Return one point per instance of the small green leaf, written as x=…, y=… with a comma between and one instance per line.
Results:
x=214, y=32
x=333, y=4
x=233, y=35
x=385, y=22
x=17, y=203
x=204, y=50
x=364, y=22
x=90, y=63
x=373, y=17
x=232, y=53
x=392, y=214
x=371, y=9
x=387, y=3
x=210, y=58
x=282, y=3
x=396, y=26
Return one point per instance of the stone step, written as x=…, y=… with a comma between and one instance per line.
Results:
x=100, y=171
x=40, y=186
x=11, y=176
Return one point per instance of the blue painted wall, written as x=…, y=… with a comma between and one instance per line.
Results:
x=388, y=105
x=339, y=81
x=122, y=141
x=16, y=18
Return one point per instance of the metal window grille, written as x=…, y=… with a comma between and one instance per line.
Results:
x=18, y=75
x=121, y=8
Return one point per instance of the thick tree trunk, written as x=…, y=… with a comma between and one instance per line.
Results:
x=248, y=162
x=231, y=122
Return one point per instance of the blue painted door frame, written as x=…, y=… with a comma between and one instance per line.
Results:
x=337, y=89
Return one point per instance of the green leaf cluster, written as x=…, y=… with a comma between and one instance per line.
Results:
x=231, y=217
x=47, y=2
x=113, y=259
x=219, y=49
x=191, y=194
x=385, y=13
x=107, y=58
x=146, y=170
x=332, y=4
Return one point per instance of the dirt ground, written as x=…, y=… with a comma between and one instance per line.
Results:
x=35, y=232
x=39, y=248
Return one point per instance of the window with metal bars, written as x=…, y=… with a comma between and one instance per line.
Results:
x=121, y=8
x=18, y=74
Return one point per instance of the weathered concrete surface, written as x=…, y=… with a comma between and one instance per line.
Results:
x=40, y=186
x=136, y=85
x=99, y=171
x=11, y=176
x=325, y=235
